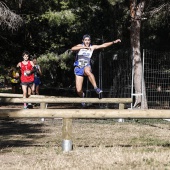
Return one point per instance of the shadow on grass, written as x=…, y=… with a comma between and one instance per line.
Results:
x=19, y=133
x=153, y=123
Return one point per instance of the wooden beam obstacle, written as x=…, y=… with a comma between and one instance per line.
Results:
x=65, y=100
x=69, y=114
x=85, y=113
x=66, y=114
x=11, y=95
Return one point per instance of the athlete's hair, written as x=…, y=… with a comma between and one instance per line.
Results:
x=86, y=36
x=25, y=53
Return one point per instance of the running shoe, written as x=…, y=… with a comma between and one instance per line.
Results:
x=30, y=106
x=98, y=91
x=25, y=107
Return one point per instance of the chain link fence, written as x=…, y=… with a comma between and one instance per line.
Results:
x=157, y=78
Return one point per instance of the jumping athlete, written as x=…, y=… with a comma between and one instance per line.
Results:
x=27, y=77
x=82, y=62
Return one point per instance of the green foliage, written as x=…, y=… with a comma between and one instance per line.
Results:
x=3, y=70
x=54, y=65
x=156, y=29
x=59, y=18
x=51, y=60
x=46, y=60
x=64, y=5
x=114, y=2
x=52, y=27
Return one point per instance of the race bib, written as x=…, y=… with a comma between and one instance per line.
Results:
x=82, y=63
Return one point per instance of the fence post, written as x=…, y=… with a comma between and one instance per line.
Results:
x=121, y=107
x=67, y=135
x=42, y=106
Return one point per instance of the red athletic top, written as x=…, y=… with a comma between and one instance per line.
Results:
x=24, y=77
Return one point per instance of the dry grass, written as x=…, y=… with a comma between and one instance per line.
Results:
x=29, y=144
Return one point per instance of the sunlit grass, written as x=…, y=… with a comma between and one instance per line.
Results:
x=97, y=145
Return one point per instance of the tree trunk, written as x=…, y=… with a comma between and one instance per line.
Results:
x=136, y=10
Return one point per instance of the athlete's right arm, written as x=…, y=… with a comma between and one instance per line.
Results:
x=79, y=47
x=39, y=71
x=19, y=64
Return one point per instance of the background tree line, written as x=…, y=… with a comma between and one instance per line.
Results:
x=50, y=28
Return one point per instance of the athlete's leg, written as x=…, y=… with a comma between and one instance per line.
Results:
x=89, y=74
x=79, y=84
x=37, y=89
x=30, y=89
x=13, y=87
x=24, y=90
x=33, y=89
x=17, y=87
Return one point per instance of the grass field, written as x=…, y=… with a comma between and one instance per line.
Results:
x=29, y=144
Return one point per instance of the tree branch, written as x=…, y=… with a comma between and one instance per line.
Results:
x=8, y=18
x=156, y=10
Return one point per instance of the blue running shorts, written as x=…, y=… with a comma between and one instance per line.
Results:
x=37, y=81
x=79, y=71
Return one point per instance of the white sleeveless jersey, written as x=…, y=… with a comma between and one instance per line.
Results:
x=83, y=57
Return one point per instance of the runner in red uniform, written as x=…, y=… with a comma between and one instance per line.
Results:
x=27, y=76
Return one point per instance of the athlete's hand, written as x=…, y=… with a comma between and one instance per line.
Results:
x=117, y=41
x=16, y=75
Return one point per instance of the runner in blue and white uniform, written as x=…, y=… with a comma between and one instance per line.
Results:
x=82, y=63
x=37, y=75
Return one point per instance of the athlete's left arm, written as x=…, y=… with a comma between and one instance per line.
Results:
x=33, y=68
x=95, y=47
x=39, y=71
x=32, y=63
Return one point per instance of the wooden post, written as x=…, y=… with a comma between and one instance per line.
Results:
x=121, y=107
x=67, y=135
x=42, y=106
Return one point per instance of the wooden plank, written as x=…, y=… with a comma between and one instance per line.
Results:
x=65, y=100
x=11, y=95
x=84, y=113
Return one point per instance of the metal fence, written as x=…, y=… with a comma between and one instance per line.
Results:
x=157, y=78
x=113, y=73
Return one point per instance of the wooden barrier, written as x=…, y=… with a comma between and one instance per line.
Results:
x=84, y=113
x=11, y=95
x=69, y=114
x=65, y=100
x=66, y=114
